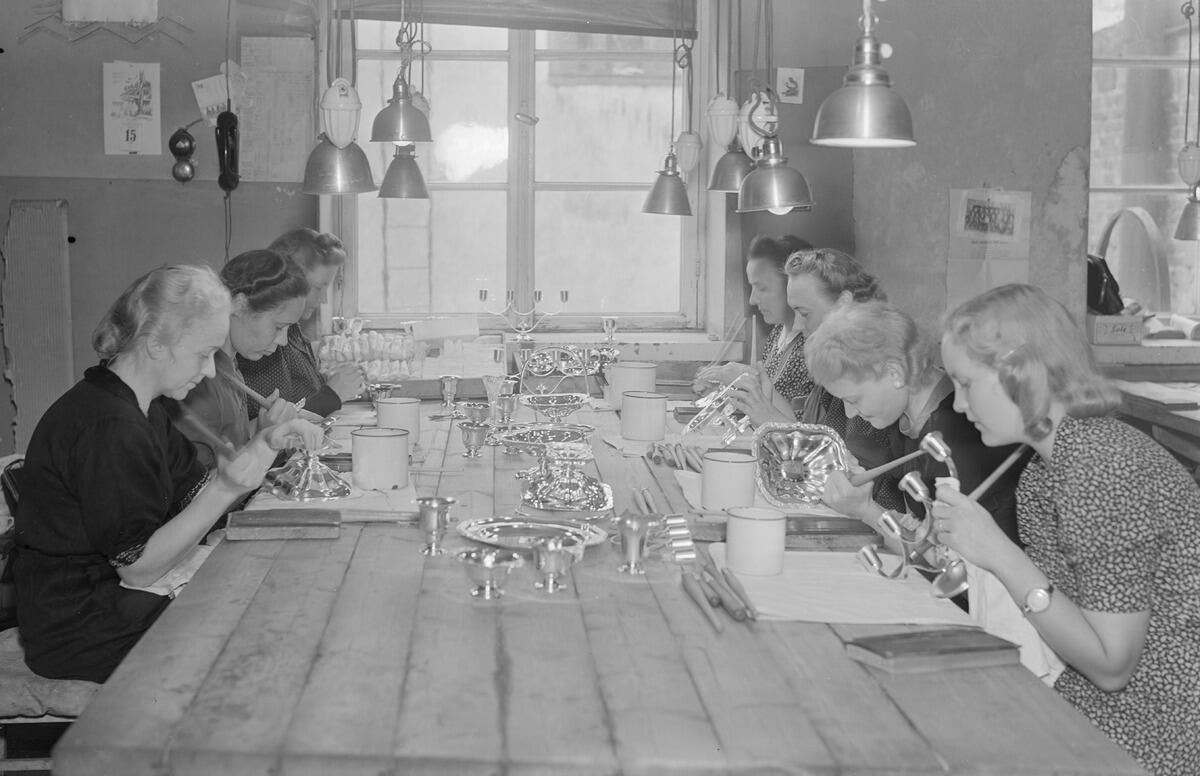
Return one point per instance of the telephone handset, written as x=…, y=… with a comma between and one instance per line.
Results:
x=227, y=150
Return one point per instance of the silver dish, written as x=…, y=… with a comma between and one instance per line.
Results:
x=305, y=478
x=598, y=498
x=794, y=461
x=514, y=533
x=533, y=438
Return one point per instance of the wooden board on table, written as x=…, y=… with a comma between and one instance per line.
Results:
x=933, y=650
x=284, y=524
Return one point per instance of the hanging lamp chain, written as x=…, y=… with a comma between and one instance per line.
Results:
x=1189, y=11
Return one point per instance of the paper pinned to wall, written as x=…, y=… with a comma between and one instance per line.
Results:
x=989, y=241
x=277, y=116
x=132, y=119
x=212, y=96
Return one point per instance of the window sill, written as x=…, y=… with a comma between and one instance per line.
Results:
x=649, y=346
x=1167, y=352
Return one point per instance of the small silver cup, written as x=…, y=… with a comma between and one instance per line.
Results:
x=487, y=569
x=474, y=436
x=553, y=560
x=433, y=515
x=449, y=389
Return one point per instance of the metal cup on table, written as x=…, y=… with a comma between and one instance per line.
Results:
x=449, y=385
x=633, y=531
x=487, y=568
x=474, y=436
x=433, y=515
x=553, y=558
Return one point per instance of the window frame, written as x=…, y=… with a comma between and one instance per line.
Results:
x=339, y=214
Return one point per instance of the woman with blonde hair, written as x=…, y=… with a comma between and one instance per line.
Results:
x=112, y=496
x=1110, y=572
x=874, y=359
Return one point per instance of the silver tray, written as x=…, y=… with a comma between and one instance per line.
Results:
x=794, y=461
x=551, y=505
x=514, y=533
x=533, y=438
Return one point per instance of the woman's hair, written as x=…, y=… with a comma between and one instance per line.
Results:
x=776, y=249
x=160, y=305
x=265, y=278
x=310, y=248
x=1037, y=349
x=836, y=272
x=860, y=340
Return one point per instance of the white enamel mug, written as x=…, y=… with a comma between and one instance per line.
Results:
x=625, y=376
x=379, y=458
x=754, y=540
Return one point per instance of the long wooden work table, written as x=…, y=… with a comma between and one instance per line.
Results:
x=359, y=656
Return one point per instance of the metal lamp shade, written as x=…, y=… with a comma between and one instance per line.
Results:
x=403, y=179
x=1189, y=219
x=772, y=185
x=333, y=170
x=668, y=196
x=732, y=168
x=401, y=121
x=865, y=112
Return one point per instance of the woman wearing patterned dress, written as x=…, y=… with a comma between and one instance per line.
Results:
x=112, y=496
x=782, y=358
x=1110, y=574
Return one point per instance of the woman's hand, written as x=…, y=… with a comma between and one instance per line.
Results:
x=717, y=376
x=755, y=396
x=967, y=528
x=246, y=469
x=280, y=410
x=346, y=380
x=850, y=500
x=292, y=433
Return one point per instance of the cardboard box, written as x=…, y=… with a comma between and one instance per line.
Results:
x=1115, y=329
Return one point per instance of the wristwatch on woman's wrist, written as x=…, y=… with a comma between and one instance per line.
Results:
x=1037, y=600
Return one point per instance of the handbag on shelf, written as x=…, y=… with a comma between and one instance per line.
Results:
x=1103, y=292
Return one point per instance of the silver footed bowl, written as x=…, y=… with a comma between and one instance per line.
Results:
x=305, y=478
x=795, y=460
x=534, y=437
x=555, y=406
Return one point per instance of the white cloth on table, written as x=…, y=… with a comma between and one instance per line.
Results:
x=993, y=609
x=834, y=587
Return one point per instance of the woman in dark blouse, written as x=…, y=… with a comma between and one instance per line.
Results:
x=112, y=496
x=876, y=361
x=293, y=368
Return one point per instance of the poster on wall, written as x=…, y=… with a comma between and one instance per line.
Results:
x=277, y=116
x=132, y=119
x=989, y=241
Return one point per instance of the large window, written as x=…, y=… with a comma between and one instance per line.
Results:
x=545, y=145
x=1139, y=73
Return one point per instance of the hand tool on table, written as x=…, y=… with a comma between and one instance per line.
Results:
x=304, y=523
x=710, y=574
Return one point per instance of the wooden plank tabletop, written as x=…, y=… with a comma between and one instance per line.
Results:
x=357, y=655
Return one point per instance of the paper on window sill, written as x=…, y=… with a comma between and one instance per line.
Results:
x=834, y=587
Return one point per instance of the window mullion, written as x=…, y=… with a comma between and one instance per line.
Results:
x=520, y=200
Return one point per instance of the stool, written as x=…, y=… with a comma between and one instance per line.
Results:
x=27, y=698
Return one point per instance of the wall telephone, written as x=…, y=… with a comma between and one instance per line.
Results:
x=227, y=150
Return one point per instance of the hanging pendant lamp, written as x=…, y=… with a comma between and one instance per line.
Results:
x=401, y=121
x=668, y=196
x=403, y=179
x=865, y=112
x=732, y=168
x=772, y=185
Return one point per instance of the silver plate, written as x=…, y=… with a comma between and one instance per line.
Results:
x=601, y=504
x=514, y=533
x=794, y=461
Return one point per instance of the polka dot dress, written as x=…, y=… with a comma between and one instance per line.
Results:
x=787, y=368
x=1114, y=521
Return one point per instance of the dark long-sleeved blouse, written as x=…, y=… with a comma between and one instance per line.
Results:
x=293, y=370
x=100, y=477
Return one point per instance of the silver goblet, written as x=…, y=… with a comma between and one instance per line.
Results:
x=474, y=436
x=433, y=514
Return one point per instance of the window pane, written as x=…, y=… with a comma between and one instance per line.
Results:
x=1138, y=28
x=416, y=257
x=610, y=256
x=585, y=41
x=469, y=119
x=1137, y=125
x=602, y=120
x=1127, y=254
x=441, y=37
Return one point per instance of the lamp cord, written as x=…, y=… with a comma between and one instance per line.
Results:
x=228, y=204
x=1188, y=10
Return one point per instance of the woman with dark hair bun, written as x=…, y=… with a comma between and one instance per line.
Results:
x=782, y=357
x=112, y=496
x=268, y=295
x=293, y=368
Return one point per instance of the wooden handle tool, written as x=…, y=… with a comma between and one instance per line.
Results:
x=691, y=584
x=862, y=478
x=219, y=445
x=990, y=480
x=736, y=585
